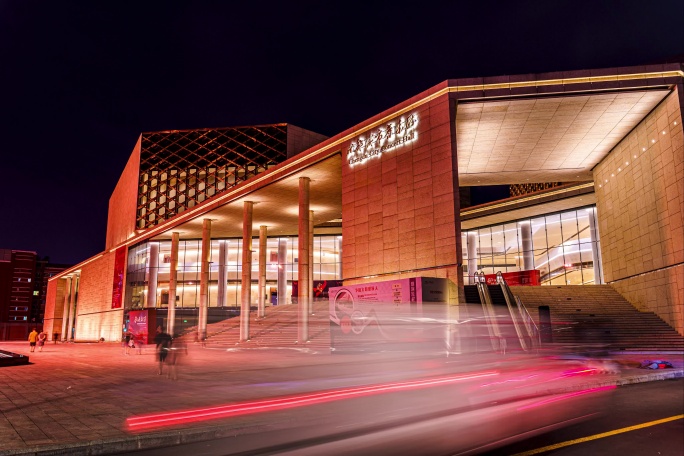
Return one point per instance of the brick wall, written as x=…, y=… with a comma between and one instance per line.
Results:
x=123, y=202
x=640, y=203
x=95, y=317
x=398, y=208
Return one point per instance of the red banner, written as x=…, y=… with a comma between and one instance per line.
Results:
x=141, y=325
x=518, y=278
x=119, y=267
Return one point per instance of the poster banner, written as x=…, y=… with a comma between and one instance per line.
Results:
x=518, y=278
x=141, y=325
x=119, y=267
x=373, y=316
x=320, y=290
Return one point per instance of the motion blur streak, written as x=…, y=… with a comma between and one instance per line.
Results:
x=269, y=405
x=567, y=396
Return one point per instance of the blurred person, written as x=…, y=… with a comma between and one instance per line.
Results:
x=127, y=342
x=163, y=343
x=42, y=337
x=176, y=354
x=33, y=338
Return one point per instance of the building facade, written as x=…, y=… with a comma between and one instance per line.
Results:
x=381, y=201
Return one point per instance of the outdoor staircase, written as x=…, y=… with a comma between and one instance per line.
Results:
x=278, y=328
x=597, y=314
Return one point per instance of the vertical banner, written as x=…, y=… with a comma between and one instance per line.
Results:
x=119, y=266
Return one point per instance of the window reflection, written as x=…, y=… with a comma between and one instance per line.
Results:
x=562, y=246
x=326, y=266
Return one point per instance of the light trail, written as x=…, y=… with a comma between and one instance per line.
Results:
x=144, y=422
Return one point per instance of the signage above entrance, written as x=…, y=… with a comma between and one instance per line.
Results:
x=394, y=134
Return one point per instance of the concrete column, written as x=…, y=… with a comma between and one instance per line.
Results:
x=311, y=261
x=173, y=282
x=526, y=240
x=222, y=274
x=153, y=274
x=246, y=288
x=303, y=260
x=72, y=307
x=282, y=271
x=472, y=256
x=263, y=232
x=204, y=280
x=595, y=250
x=67, y=304
x=339, y=253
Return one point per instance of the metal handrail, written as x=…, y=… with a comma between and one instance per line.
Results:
x=532, y=328
x=488, y=308
x=508, y=297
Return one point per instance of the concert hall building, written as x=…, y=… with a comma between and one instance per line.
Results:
x=208, y=224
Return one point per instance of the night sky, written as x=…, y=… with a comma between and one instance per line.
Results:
x=79, y=81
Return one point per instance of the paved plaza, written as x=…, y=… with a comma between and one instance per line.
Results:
x=75, y=398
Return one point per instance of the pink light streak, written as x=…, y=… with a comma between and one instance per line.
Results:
x=144, y=422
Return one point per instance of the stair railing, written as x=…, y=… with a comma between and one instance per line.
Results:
x=488, y=309
x=516, y=314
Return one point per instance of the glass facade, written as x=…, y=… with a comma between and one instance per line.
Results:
x=326, y=266
x=563, y=246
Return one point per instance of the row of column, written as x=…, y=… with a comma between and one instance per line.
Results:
x=69, y=312
x=305, y=270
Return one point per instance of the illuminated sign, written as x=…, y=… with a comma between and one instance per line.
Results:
x=386, y=138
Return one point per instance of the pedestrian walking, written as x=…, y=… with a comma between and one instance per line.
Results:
x=163, y=342
x=42, y=337
x=33, y=338
x=127, y=342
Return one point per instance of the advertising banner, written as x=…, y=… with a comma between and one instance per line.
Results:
x=119, y=266
x=373, y=315
x=527, y=278
x=320, y=290
x=142, y=325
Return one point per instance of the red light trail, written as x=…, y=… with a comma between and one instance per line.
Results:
x=144, y=422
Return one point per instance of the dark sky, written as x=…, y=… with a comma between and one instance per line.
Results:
x=79, y=81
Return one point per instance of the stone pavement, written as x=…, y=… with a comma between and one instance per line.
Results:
x=75, y=398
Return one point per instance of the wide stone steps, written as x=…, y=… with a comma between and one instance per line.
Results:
x=278, y=328
x=599, y=315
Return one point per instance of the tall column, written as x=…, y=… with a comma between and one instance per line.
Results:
x=472, y=255
x=153, y=271
x=339, y=254
x=246, y=288
x=72, y=307
x=67, y=304
x=204, y=280
x=595, y=250
x=263, y=232
x=311, y=262
x=282, y=271
x=526, y=238
x=303, y=261
x=173, y=281
x=222, y=274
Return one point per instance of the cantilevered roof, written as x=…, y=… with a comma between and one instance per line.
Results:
x=557, y=138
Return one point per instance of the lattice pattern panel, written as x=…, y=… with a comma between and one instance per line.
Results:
x=180, y=169
x=524, y=189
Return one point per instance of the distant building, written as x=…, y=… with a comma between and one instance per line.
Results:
x=23, y=286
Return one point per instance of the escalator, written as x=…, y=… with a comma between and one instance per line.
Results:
x=509, y=325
